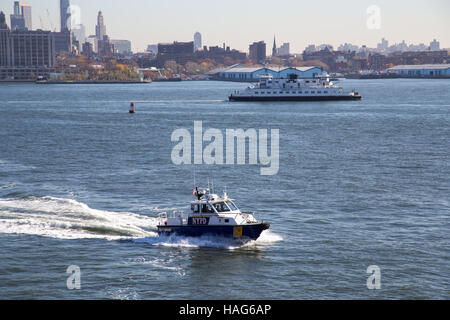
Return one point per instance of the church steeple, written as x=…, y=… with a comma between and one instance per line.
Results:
x=274, y=49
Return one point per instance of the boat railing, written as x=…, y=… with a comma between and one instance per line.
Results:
x=174, y=214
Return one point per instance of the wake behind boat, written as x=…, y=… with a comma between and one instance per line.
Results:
x=211, y=214
x=294, y=89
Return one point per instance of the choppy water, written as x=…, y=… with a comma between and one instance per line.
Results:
x=360, y=183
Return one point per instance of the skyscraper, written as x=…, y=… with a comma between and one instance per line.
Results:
x=16, y=7
x=100, y=29
x=25, y=10
x=197, y=41
x=17, y=19
x=64, y=6
x=80, y=34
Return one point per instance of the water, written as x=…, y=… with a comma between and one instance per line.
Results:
x=360, y=183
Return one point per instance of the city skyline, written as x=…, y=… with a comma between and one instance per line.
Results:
x=148, y=22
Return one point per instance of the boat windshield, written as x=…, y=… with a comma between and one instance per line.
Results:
x=221, y=207
x=232, y=206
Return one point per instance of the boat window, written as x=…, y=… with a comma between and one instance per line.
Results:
x=306, y=91
x=312, y=91
x=221, y=207
x=307, y=81
x=195, y=207
x=325, y=92
x=232, y=206
x=206, y=208
x=319, y=91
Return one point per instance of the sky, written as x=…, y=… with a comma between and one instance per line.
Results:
x=241, y=22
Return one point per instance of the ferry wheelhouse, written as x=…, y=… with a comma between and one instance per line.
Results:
x=294, y=89
x=215, y=215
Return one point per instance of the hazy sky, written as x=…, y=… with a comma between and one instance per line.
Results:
x=240, y=22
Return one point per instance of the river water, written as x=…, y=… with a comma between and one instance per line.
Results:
x=359, y=184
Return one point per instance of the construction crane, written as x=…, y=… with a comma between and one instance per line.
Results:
x=51, y=22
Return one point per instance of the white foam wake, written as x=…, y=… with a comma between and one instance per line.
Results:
x=70, y=219
x=267, y=238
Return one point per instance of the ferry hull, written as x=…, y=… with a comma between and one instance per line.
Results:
x=295, y=98
x=251, y=231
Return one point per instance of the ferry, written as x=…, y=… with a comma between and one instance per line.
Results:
x=294, y=89
x=214, y=215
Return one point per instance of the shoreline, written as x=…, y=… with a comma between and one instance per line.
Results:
x=74, y=82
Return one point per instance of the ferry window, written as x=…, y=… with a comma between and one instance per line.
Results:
x=227, y=220
x=256, y=92
x=306, y=91
x=312, y=91
x=206, y=208
x=319, y=91
x=300, y=92
x=221, y=207
x=307, y=81
x=195, y=208
x=325, y=92
x=231, y=205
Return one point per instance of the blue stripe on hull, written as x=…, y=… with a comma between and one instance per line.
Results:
x=248, y=231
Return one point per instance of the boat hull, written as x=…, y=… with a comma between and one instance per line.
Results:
x=250, y=231
x=295, y=98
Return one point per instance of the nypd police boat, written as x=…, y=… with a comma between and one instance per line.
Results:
x=213, y=215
